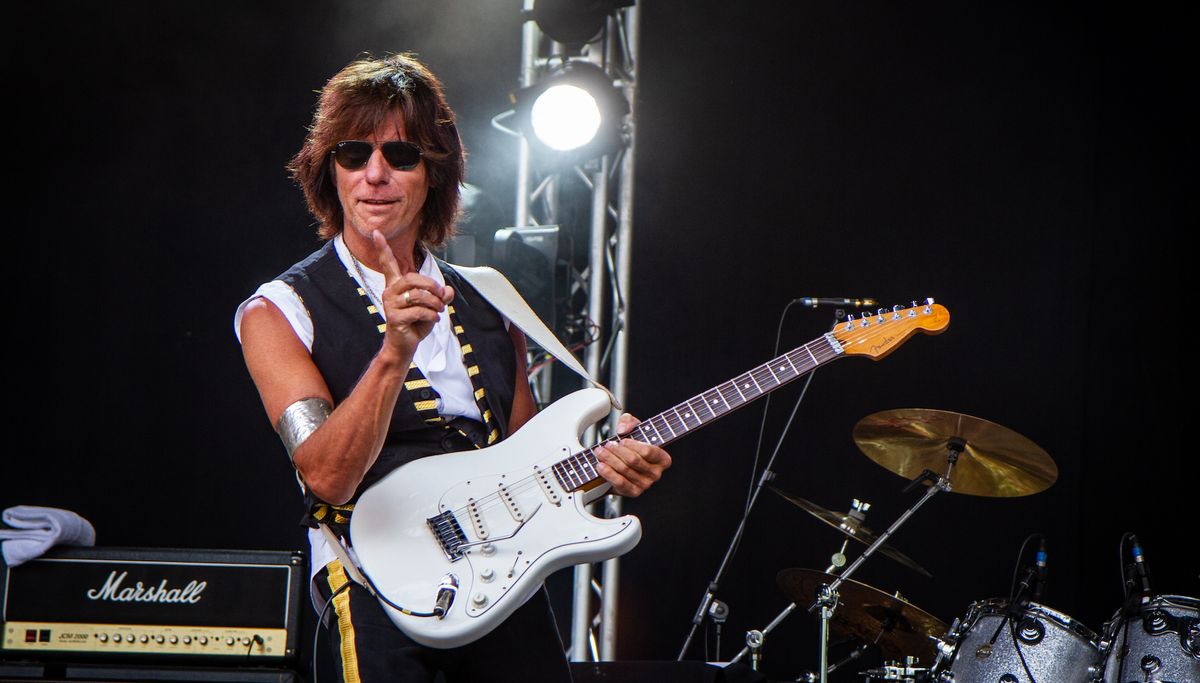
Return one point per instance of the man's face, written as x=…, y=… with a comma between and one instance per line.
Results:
x=379, y=197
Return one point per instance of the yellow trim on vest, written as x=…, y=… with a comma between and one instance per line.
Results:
x=422, y=406
x=341, y=606
x=473, y=370
x=479, y=393
x=382, y=327
x=416, y=384
x=493, y=436
x=487, y=416
x=466, y=349
x=372, y=310
x=458, y=329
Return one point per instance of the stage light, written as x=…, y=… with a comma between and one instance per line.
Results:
x=573, y=115
x=565, y=117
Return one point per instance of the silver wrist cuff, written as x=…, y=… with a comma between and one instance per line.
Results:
x=300, y=420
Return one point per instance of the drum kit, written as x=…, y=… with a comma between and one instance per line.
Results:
x=1151, y=639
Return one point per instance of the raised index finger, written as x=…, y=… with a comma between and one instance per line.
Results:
x=387, y=260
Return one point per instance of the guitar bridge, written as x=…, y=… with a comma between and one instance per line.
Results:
x=448, y=533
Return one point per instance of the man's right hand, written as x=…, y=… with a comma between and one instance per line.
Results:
x=411, y=303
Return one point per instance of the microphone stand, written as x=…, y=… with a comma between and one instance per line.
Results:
x=710, y=593
x=767, y=475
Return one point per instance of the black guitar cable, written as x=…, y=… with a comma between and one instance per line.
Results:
x=320, y=622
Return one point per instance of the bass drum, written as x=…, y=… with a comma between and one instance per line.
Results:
x=1039, y=645
x=1158, y=642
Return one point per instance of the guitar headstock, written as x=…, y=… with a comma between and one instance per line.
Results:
x=878, y=334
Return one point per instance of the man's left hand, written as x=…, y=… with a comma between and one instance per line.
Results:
x=631, y=466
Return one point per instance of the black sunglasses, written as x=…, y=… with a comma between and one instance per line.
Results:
x=354, y=154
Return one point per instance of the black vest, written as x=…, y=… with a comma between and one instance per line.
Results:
x=346, y=339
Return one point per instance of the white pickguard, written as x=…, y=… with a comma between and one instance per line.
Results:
x=405, y=561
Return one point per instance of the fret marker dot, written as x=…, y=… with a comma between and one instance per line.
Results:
x=714, y=401
x=687, y=414
x=746, y=385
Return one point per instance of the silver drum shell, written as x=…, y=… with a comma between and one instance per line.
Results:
x=1159, y=642
x=1054, y=647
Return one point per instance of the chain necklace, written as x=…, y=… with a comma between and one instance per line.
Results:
x=376, y=299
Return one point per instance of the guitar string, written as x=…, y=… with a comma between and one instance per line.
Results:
x=823, y=354
x=494, y=500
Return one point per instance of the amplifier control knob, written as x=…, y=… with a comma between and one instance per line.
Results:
x=145, y=638
x=103, y=637
x=116, y=637
x=230, y=641
x=203, y=640
x=175, y=639
x=187, y=640
x=159, y=639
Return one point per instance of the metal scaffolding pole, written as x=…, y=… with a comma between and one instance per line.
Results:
x=606, y=277
x=620, y=327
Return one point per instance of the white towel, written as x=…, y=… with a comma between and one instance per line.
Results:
x=36, y=529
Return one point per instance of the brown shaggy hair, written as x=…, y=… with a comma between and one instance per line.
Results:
x=352, y=106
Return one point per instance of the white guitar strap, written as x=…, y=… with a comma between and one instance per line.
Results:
x=500, y=293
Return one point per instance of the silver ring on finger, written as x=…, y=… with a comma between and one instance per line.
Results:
x=408, y=298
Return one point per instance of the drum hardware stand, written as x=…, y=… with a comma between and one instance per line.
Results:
x=827, y=594
x=754, y=641
x=837, y=561
x=811, y=676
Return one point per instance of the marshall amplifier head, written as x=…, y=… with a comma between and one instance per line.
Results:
x=217, y=605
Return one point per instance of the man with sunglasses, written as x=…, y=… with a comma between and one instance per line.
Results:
x=370, y=353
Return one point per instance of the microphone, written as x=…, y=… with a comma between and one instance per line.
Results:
x=1040, y=585
x=1139, y=565
x=814, y=301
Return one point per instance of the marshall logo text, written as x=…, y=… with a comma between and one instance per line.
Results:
x=139, y=592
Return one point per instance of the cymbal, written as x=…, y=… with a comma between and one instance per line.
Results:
x=852, y=528
x=869, y=614
x=995, y=460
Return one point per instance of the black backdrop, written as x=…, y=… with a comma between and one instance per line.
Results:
x=1029, y=166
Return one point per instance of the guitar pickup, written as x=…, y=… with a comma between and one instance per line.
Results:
x=449, y=534
x=547, y=487
x=511, y=503
x=476, y=516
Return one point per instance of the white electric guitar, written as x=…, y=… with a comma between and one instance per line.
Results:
x=477, y=532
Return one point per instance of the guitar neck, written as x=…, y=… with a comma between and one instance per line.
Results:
x=579, y=470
